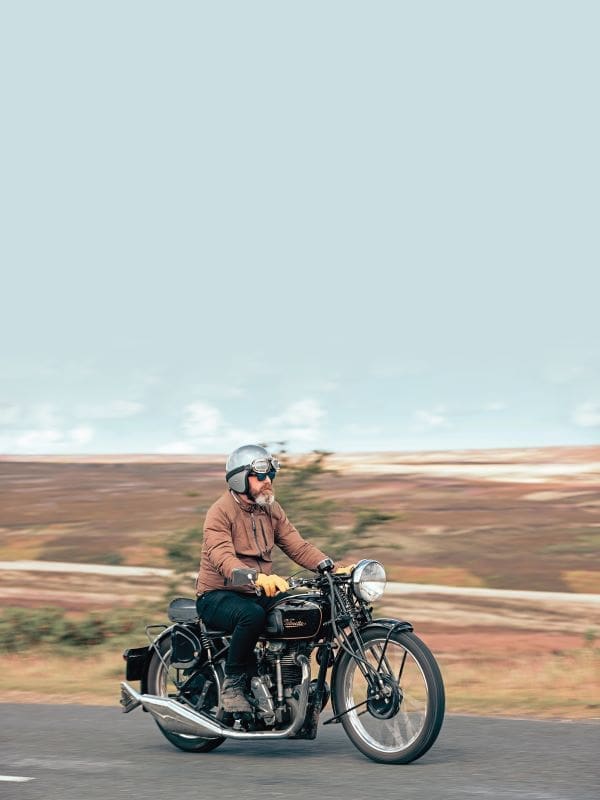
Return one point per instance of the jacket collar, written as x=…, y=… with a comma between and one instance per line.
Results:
x=244, y=504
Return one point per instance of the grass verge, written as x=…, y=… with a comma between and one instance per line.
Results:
x=550, y=685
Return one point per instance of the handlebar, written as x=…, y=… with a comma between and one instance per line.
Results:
x=318, y=580
x=247, y=577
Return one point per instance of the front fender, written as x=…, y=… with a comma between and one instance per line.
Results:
x=377, y=624
x=385, y=622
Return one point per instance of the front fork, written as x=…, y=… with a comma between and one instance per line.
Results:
x=353, y=642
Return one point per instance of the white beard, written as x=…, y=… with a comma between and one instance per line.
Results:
x=264, y=499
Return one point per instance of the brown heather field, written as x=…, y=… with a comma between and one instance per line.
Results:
x=506, y=519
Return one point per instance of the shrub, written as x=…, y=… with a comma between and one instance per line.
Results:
x=24, y=628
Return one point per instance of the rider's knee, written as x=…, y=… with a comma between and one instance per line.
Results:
x=254, y=616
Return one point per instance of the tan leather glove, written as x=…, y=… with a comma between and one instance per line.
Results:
x=271, y=584
x=344, y=570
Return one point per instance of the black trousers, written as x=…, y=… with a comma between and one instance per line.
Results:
x=241, y=614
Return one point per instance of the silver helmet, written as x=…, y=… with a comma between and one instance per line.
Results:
x=247, y=459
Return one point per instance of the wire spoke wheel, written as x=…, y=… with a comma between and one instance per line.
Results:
x=202, y=692
x=397, y=718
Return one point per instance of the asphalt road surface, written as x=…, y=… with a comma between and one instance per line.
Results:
x=88, y=753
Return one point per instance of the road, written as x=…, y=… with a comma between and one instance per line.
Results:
x=392, y=588
x=96, y=753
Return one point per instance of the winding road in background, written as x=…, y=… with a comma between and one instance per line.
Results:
x=96, y=753
x=392, y=588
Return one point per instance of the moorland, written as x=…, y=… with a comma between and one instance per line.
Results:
x=503, y=519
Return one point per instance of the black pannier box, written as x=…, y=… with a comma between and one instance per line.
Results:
x=135, y=659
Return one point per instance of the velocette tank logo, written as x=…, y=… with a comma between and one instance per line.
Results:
x=294, y=623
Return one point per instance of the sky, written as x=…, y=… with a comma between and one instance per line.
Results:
x=347, y=226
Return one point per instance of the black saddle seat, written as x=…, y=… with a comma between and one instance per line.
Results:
x=183, y=611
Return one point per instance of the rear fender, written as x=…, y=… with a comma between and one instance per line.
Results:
x=383, y=625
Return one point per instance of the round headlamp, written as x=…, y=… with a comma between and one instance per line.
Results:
x=368, y=580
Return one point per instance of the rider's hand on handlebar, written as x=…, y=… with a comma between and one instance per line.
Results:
x=271, y=584
x=344, y=570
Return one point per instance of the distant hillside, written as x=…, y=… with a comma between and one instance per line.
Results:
x=527, y=518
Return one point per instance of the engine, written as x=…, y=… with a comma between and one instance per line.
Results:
x=293, y=623
x=276, y=686
x=282, y=656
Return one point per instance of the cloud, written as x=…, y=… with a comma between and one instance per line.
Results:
x=587, y=415
x=206, y=429
x=300, y=422
x=202, y=420
x=429, y=419
x=303, y=413
x=39, y=428
x=34, y=441
x=37, y=440
x=118, y=409
x=81, y=434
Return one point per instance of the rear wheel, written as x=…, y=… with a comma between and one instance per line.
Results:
x=399, y=719
x=202, y=692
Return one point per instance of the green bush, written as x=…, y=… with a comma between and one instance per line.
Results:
x=24, y=628
x=21, y=628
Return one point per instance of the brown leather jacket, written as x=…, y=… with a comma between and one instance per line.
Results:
x=241, y=535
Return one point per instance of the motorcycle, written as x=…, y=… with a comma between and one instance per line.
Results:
x=386, y=687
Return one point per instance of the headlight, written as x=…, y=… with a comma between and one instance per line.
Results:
x=368, y=580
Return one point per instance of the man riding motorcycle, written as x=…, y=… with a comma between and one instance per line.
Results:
x=240, y=531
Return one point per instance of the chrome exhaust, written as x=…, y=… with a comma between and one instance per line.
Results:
x=177, y=718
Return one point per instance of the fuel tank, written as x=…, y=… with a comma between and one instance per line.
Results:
x=295, y=617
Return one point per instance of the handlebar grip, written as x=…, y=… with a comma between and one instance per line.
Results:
x=324, y=566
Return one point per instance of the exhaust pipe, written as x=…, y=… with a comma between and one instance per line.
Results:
x=177, y=718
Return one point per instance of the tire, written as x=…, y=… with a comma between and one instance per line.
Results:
x=402, y=726
x=160, y=682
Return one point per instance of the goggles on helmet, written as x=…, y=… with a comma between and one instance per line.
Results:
x=263, y=467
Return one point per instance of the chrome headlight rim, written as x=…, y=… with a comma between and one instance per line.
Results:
x=368, y=588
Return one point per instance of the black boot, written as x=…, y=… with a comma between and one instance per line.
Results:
x=233, y=699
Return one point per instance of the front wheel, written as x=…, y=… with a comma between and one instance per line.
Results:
x=398, y=718
x=203, y=693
